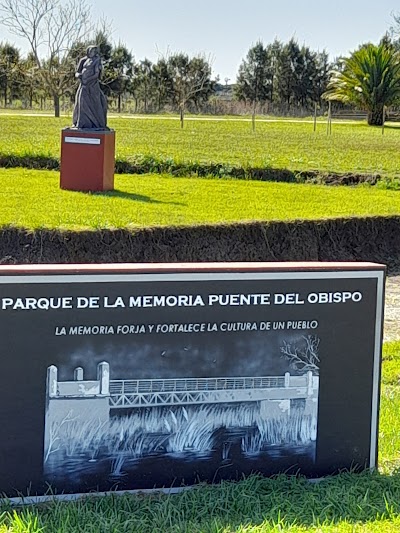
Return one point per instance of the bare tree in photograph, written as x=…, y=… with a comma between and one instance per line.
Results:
x=50, y=27
x=303, y=355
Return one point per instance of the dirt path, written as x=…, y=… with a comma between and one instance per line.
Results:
x=392, y=309
x=201, y=118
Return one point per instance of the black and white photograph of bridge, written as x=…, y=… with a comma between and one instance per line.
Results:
x=115, y=429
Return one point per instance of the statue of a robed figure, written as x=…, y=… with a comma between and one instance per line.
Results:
x=90, y=111
x=88, y=147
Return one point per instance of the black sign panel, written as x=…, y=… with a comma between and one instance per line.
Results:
x=136, y=380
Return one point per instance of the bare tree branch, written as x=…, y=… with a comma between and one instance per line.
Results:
x=50, y=27
x=54, y=434
x=305, y=356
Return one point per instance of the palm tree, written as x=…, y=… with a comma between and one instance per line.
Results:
x=370, y=80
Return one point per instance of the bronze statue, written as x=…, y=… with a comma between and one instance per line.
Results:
x=90, y=111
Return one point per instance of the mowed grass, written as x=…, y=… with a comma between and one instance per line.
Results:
x=33, y=199
x=348, y=503
x=352, y=147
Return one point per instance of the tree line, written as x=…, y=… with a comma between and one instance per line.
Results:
x=58, y=31
x=283, y=73
x=278, y=73
x=287, y=74
x=177, y=81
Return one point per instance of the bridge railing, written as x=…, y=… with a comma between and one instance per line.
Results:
x=142, y=386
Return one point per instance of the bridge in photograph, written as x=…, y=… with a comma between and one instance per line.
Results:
x=131, y=393
x=192, y=391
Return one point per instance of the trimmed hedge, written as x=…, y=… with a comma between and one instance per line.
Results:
x=352, y=239
x=141, y=164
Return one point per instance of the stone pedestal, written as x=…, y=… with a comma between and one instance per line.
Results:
x=87, y=160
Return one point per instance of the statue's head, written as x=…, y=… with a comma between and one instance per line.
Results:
x=92, y=51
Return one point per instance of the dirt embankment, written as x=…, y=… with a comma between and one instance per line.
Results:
x=354, y=239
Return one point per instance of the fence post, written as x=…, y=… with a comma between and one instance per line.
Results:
x=315, y=117
x=287, y=380
x=52, y=381
x=329, y=123
x=383, y=119
x=103, y=377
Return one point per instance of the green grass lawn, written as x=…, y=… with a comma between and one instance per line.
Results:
x=351, y=148
x=348, y=503
x=33, y=199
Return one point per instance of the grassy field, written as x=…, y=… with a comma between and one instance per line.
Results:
x=33, y=199
x=348, y=503
x=351, y=148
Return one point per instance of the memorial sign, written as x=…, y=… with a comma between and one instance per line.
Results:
x=87, y=160
x=143, y=376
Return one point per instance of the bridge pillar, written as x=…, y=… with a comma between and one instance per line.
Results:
x=71, y=417
x=287, y=380
x=78, y=374
x=52, y=373
x=103, y=377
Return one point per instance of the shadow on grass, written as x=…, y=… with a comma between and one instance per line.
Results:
x=116, y=193
x=254, y=504
x=393, y=126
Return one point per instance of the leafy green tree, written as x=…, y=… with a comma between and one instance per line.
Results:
x=283, y=73
x=297, y=75
x=306, y=74
x=254, y=81
x=119, y=71
x=200, y=85
x=30, y=85
x=163, y=84
x=290, y=69
x=393, y=34
x=274, y=50
x=321, y=78
x=10, y=72
x=190, y=79
x=142, y=83
x=103, y=41
x=369, y=80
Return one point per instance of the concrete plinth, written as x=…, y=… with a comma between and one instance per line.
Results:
x=87, y=160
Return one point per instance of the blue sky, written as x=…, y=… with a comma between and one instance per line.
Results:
x=225, y=29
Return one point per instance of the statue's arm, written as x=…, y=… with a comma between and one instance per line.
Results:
x=78, y=73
